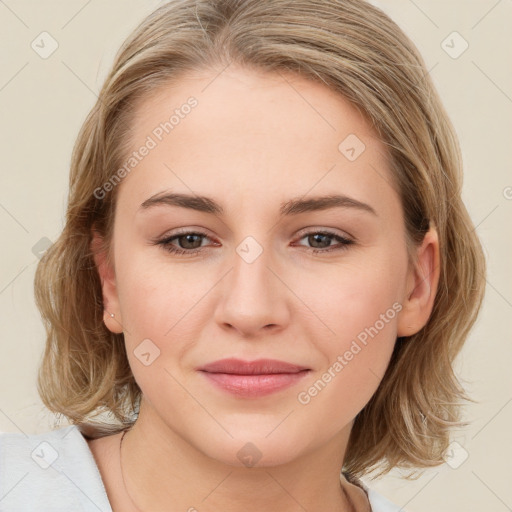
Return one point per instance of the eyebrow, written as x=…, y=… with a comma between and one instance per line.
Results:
x=292, y=207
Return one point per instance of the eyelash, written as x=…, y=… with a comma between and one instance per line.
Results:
x=167, y=245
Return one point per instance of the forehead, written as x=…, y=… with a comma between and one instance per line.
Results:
x=271, y=133
x=277, y=104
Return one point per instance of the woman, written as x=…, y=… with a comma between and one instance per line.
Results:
x=265, y=274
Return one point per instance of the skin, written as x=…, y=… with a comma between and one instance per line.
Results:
x=255, y=140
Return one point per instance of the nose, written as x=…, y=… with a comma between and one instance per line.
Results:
x=254, y=299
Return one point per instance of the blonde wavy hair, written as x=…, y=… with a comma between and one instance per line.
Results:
x=354, y=49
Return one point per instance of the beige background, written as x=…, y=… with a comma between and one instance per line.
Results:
x=43, y=103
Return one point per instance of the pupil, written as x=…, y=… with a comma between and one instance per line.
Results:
x=318, y=236
x=189, y=238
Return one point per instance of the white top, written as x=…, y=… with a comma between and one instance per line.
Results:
x=56, y=471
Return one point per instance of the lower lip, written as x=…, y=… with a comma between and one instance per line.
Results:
x=255, y=385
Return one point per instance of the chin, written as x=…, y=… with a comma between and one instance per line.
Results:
x=249, y=449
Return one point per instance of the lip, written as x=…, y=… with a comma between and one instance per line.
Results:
x=251, y=379
x=257, y=367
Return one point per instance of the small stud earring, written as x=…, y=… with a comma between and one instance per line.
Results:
x=112, y=315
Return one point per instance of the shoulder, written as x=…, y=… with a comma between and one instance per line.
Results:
x=381, y=504
x=378, y=502
x=54, y=470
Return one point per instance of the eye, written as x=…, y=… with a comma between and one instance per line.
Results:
x=188, y=243
x=321, y=241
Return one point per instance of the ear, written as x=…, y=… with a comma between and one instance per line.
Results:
x=112, y=312
x=422, y=281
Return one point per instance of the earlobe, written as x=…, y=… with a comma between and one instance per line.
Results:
x=422, y=282
x=111, y=314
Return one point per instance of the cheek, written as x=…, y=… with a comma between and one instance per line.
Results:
x=355, y=363
x=154, y=294
x=160, y=325
x=354, y=296
x=361, y=309
x=162, y=303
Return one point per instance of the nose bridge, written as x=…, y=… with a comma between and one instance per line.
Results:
x=251, y=263
x=251, y=276
x=253, y=297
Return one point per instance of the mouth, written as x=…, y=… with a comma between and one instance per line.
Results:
x=258, y=367
x=252, y=379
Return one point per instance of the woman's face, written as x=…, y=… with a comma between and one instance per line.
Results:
x=262, y=273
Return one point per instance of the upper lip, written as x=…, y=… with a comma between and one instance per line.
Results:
x=257, y=367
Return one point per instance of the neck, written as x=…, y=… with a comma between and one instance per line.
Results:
x=160, y=468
